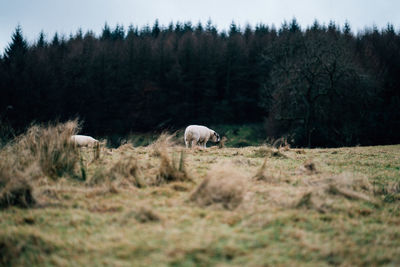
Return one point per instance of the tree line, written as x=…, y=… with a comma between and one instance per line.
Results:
x=318, y=86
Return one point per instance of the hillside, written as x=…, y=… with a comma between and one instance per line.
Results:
x=150, y=206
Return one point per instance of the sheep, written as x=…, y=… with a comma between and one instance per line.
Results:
x=199, y=135
x=84, y=140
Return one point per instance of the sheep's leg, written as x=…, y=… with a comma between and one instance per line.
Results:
x=193, y=143
x=186, y=143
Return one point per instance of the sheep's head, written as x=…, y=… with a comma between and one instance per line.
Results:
x=215, y=137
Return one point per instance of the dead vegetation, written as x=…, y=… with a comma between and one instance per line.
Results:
x=263, y=152
x=49, y=146
x=126, y=206
x=163, y=143
x=24, y=247
x=125, y=172
x=40, y=152
x=308, y=168
x=144, y=214
x=321, y=193
x=131, y=170
x=171, y=168
x=222, y=142
x=15, y=190
x=281, y=143
x=223, y=186
x=263, y=175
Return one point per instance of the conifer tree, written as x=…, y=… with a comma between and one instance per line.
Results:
x=18, y=46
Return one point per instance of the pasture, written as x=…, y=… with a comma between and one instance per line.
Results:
x=164, y=205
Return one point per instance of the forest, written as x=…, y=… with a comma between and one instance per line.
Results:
x=319, y=86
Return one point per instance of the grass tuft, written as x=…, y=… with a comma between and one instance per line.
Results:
x=48, y=147
x=127, y=168
x=263, y=152
x=171, y=169
x=163, y=142
x=125, y=171
x=261, y=174
x=15, y=191
x=41, y=151
x=223, y=186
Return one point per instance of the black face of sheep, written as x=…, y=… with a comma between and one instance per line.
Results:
x=215, y=137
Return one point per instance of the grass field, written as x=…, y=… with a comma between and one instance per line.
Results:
x=165, y=205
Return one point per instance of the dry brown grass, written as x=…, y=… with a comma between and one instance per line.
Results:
x=263, y=152
x=281, y=143
x=40, y=152
x=345, y=213
x=127, y=169
x=137, y=171
x=49, y=147
x=15, y=190
x=144, y=214
x=21, y=248
x=263, y=175
x=164, y=142
x=322, y=193
x=171, y=168
x=123, y=172
x=223, y=186
x=309, y=168
x=222, y=142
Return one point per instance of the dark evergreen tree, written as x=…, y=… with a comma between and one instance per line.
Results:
x=156, y=29
x=18, y=47
x=106, y=33
x=41, y=41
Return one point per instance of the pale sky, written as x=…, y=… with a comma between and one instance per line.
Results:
x=66, y=16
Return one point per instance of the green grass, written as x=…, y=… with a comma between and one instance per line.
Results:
x=242, y=135
x=113, y=223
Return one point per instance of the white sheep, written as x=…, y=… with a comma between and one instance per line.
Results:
x=199, y=135
x=84, y=140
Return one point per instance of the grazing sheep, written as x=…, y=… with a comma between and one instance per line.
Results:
x=199, y=135
x=84, y=140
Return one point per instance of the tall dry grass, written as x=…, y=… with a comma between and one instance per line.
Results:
x=131, y=170
x=48, y=147
x=171, y=168
x=125, y=172
x=41, y=151
x=15, y=189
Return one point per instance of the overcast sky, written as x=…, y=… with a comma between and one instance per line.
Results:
x=66, y=16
